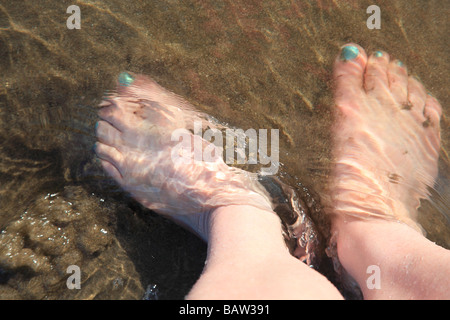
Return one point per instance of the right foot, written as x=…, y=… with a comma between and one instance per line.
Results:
x=386, y=138
x=135, y=147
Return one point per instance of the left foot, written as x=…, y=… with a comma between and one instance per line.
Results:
x=386, y=147
x=135, y=147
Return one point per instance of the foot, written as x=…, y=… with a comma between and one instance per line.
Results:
x=386, y=138
x=139, y=146
x=386, y=148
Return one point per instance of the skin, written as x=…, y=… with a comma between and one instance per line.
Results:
x=386, y=150
x=386, y=124
x=247, y=259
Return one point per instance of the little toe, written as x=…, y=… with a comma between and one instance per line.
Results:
x=416, y=97
x=109, y=154
x=376, y=76
x=348, y=74
x=433, y=103
x=398, y=83
x=433, y=111
x=107, y=134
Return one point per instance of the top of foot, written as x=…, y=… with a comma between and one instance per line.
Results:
x=386, y=138
x=136, y=146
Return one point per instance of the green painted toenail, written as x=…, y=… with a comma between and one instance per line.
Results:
x=349, y=53
x=96, y=125
x=399, y=63
x=125, y=79
x=378, y=54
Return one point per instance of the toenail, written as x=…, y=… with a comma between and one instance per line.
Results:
x=349, y=53
x=399, y=63
x=96, y=126
x=125, y=79
x=378, y=54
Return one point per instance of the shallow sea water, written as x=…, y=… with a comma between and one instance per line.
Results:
x=252, y=64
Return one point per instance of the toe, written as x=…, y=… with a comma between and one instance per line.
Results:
x=398, y=82
x=109, y=154
x=376, y=75
x=138, y=85
x=433, y=111
x=112, y=171
x=113, y=115
x=107, y=134
x=348, y=73
x=417, y=96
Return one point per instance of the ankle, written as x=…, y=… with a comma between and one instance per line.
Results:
x=245, y=231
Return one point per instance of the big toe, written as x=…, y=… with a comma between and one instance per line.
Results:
x=348, y=75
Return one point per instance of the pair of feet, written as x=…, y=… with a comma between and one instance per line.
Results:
x=386, y=148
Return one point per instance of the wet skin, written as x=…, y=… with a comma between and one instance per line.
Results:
x=386, y=147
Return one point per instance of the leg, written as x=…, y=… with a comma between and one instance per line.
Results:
x=247, y=258
x=386, y=147
x=411, y=266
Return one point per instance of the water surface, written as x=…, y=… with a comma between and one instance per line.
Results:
x=253, y=64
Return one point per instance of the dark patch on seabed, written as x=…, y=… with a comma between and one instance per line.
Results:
x=253, y=64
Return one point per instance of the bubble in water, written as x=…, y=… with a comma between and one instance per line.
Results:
x=151, y=293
